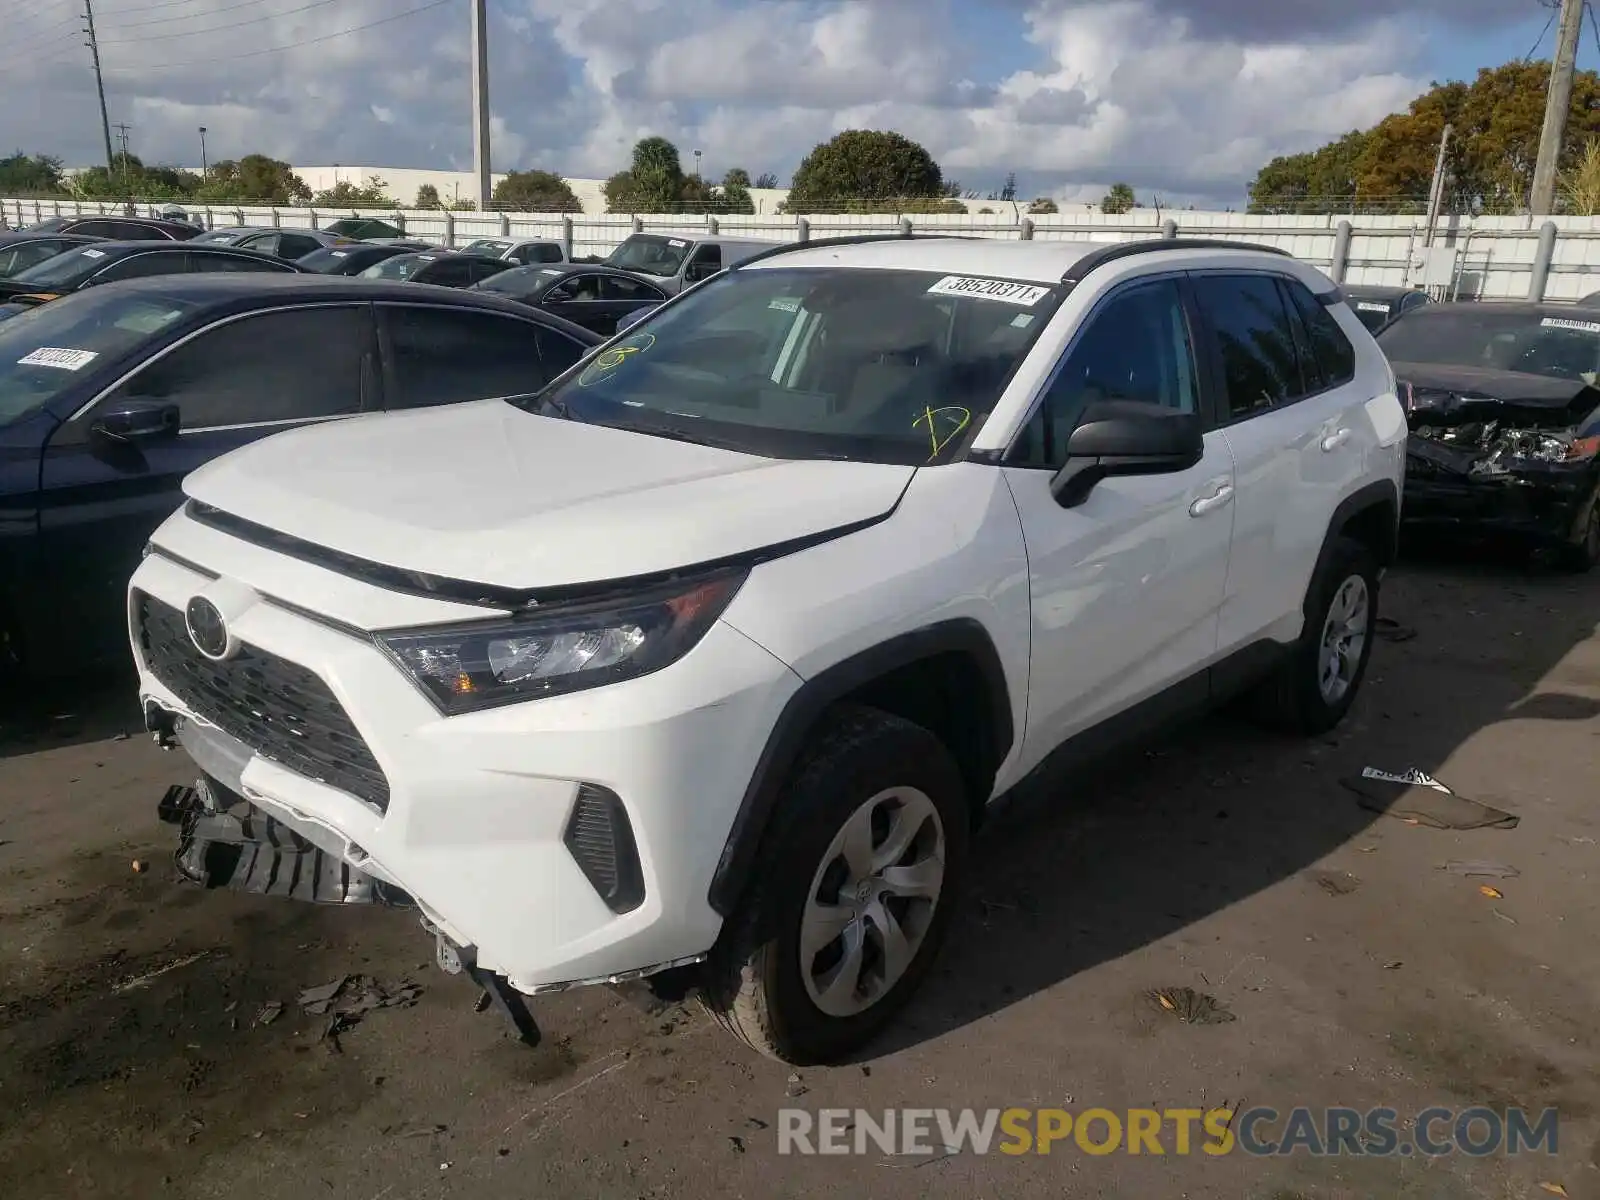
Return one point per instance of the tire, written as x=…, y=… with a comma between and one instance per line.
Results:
x=1296, y=698
x=859, y=761
x=1582, y=555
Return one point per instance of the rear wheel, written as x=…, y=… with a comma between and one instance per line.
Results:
x=1583, y=553
x=1319, y=679
x=853, y=892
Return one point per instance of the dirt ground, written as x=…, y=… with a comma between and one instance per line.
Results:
x=1226, y=860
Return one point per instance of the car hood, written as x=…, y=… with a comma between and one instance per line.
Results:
x=1459, y=395
x=487, y=493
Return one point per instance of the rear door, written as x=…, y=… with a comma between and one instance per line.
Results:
x=437, y=355
x=233, y=382
x=1293, y=422
x=261, y=243
x=580, y=298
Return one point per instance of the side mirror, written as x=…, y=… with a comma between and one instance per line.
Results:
x=136, y=421
x=629, y=320
x=1123, y=437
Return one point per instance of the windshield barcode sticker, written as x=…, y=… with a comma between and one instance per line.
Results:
x=94, y=253
x=1371, y=306
x=677, y=243
x=784, y=304
x=66, y=360
x=1568, y=323
x=1026, y=294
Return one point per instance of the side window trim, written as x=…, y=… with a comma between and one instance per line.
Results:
x=1112, y=294
x=1305, y=355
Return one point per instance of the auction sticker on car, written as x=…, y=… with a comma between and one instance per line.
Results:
x=1371, y=306
x=94, y=253
x=1026, y=294
x=1568, y=323
x=66, y=360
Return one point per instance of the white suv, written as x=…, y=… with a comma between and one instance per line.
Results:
x=712, y=654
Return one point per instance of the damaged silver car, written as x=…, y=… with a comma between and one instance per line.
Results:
x=1505, y=421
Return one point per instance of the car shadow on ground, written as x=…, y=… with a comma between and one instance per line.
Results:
x=1069, y=875
x=69, y=712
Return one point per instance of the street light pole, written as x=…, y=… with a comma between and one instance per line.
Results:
x=205, y=168
x=480, y=102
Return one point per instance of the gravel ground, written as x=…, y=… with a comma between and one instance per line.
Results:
x=132, y=1062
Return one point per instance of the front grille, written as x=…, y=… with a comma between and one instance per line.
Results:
x=277, y=708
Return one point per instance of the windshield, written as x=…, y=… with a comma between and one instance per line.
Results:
x=650, y=253
x=1535, y=343
x=519, y=281
x=64, y=270
x=873, y=365
x=221, y=235
x=489, y=246
x=50, y=226
x=401, y=266
x=325, y=259
x=45, y=350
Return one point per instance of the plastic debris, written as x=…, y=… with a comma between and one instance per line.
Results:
x=1492, y=893
x=1480, y=868
x=317, y=1000
x=1417, y=798
x=140, y=866
x=1555, y=1189
x=1191, y=1007
x=1391, y=630
x=269, y=1013
x=1393, y=966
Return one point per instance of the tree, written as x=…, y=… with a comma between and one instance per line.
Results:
x=270, y=181
x=653, y=183
x=1043, y=206
x=345, y=194
x=865, y=170
x=428, y=197
x=1119, y=199
x=535, y=191
x=765, y=181
x=1495, y=119
x=30, y=175
x=1580, y=186
x=735, y=197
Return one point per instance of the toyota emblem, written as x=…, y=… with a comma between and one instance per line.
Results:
x=207, y=630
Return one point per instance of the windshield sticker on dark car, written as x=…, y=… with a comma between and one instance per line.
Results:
x=1371, y=306
x=1568, y=323
x=53, y=356
x=94, y=253
x=1026, y=294
x=610, y=360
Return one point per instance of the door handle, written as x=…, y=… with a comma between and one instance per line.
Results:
x=1218, y=499
x=1334, y=440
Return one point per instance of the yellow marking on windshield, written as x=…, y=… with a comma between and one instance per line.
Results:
x=610, y=360
x=954, y=419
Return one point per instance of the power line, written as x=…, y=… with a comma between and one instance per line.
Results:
x=327, y=37
x=186, y=16
x=162, y=37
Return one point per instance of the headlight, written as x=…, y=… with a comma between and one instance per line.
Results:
x=1516, y=446
x=560, y=647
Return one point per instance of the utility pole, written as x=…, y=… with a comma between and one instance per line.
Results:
x=99, y=81
x=1436, y=191
x=1557, y=102
x=122, y=140
x=480, y=101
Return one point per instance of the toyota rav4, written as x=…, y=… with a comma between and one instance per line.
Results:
x=704, y=662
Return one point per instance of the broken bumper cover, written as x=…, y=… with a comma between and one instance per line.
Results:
x=480, y=825
x=1541, y=504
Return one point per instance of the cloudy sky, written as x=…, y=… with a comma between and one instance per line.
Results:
x=1184, y=98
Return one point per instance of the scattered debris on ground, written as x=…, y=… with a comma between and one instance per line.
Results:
x=1479, y=868
x=1336, y=883
x=1491, y=892
x=1391, y=630
x=1418, y=798
x=1191, y=1007
x=269, y=1013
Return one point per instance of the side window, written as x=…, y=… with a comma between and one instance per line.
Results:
x=483, y=270
x=558, y=351
x=138, y=266
x=449, y=274
x=240, y=373
x=132, y=231
x=707, y=261
x=1305, y=357
x=295, y=245
x=615, y=287
x=546, y=253
x=1135, y=347
x=444, y=355
x=105, y=229
x=1335, y=356
x=262, y=243
x=1254, y=340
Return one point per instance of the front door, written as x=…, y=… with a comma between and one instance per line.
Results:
x=233, y=383
x=1125, y=587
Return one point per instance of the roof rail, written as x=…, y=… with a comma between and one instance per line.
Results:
x=1116, y=251
x=855, y=239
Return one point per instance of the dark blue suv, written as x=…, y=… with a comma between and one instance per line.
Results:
x=109, y=397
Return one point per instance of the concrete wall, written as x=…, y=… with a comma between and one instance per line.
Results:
x=1495, y=257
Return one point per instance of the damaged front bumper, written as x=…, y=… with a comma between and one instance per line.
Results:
x=1545, y=503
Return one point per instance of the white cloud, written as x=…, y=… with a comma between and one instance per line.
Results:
x=1117, y=89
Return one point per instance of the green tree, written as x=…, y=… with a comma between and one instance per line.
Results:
x=253, y=179
x=654, y=182
x=735, y=197
x=765, y=181
x=865, y=170
x=535, y=191
x=30, y=175
x=428, y=197
x=1043, y=206
x=373, y=193
x=1495, y=119
x=1580, y=186
x=1119, y=199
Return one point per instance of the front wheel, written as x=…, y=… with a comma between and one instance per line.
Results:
x=1583, y=553
x=1318, y=681
x=853, y=893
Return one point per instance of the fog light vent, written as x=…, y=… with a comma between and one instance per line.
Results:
x=600, y=839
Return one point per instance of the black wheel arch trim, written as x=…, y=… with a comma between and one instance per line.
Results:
x=816, y=695
x=1372, y=495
